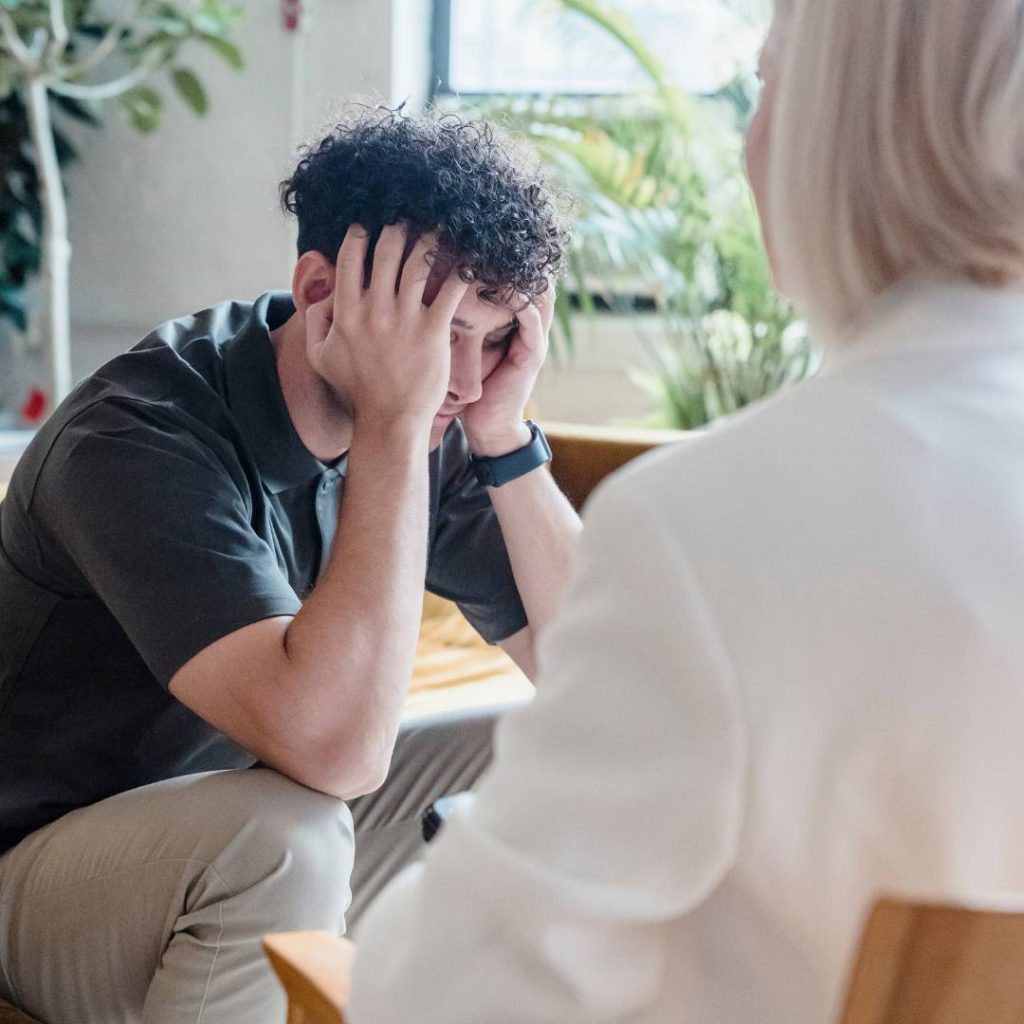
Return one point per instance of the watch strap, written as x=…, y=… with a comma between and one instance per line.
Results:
x=495, y=470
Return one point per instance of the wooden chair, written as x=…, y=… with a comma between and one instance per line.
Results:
x=584, y=455
x=314, y=968
x=917, y=964
x=922, y=963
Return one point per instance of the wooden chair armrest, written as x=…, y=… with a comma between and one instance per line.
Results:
x=585, y=455
x=935, y=963
x=314, y=968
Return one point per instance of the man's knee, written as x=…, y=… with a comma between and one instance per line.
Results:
x=291, y=841
x=308, y=823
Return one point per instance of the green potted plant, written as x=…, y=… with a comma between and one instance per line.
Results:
x=76, y=55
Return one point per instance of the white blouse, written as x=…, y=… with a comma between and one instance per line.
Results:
x=788, y=677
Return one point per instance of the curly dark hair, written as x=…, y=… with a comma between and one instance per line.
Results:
x=494, y=212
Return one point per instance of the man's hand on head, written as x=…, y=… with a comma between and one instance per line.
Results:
x=494, y=424
x=374, y=340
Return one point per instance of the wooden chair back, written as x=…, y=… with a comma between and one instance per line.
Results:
x=584, y=455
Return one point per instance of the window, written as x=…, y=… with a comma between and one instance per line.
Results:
x=532, y=46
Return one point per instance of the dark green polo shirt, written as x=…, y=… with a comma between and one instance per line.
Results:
x=165, y=504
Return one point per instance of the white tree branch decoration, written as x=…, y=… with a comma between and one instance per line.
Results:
x=36, y=38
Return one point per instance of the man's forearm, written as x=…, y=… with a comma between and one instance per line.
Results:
x=353, y=644
x=540, y=529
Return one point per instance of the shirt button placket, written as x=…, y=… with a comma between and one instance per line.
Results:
x=327, y=514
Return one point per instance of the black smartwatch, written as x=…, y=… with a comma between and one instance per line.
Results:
x=500, y=469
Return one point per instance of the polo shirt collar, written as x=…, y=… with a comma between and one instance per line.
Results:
x=256, y=401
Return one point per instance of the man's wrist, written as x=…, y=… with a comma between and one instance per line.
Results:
x=399, y=431
x=494, y=445
x=498, y=470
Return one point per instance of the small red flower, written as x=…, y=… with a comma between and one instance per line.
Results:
x=291, y=13
x=34, y=406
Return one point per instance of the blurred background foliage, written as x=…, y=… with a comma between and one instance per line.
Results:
x=664, y=223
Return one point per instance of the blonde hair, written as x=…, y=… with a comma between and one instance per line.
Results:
x=898, y=148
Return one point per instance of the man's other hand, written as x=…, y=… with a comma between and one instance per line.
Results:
x=494, y=424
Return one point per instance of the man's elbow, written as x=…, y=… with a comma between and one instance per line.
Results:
x=345, y=776
x=363, y=779
x=343, y=755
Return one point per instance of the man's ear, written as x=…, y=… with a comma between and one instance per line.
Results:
x=312, y=280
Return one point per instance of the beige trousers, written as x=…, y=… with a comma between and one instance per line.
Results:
x=149, y=906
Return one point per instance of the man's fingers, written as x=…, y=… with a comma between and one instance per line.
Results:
x=529, y=318
x=348, y=271
x=387, y=261
x=448, y=297
x=546, y=304
x=416, y=273
x=532, y=333
x=318, y=320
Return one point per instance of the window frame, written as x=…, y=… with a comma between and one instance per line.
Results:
x=440, y=67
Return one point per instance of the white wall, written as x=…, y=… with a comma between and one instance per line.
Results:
x=171, y=222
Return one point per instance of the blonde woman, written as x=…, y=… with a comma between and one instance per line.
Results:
x=789, y=672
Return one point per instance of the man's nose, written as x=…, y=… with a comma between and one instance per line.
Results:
x=465, y=385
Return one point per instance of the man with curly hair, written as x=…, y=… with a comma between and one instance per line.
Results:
x=213, y=558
